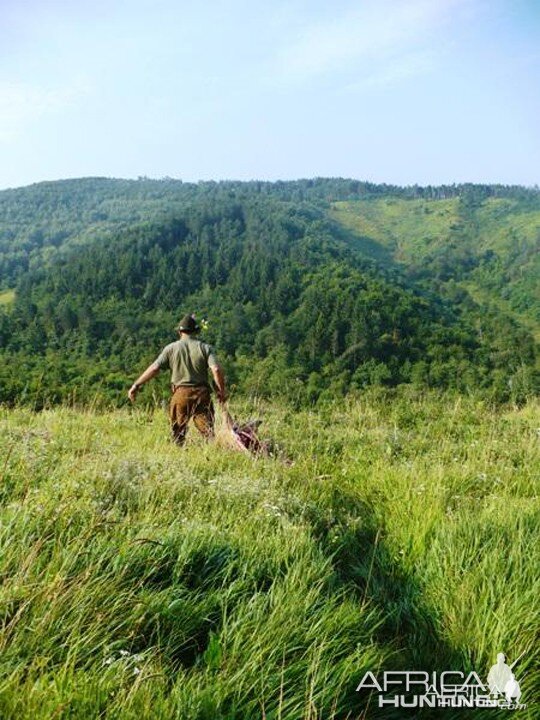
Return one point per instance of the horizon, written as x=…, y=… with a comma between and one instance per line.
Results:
x=144, y=178
x=398, y=92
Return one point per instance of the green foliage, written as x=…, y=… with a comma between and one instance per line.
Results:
x=306, y=297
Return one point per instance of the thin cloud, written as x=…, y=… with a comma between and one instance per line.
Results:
x=371, y=33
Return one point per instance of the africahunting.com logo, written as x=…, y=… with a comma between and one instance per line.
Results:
x=416, y=688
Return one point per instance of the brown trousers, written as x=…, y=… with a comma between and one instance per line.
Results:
x=191, y=402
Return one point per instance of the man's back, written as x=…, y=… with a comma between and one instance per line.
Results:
x=189, y=360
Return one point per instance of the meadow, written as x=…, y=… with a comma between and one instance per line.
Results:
x=144, y=581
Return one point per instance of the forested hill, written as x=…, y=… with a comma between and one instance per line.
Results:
x=310, y=288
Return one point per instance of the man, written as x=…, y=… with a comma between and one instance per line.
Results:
x=189, y=361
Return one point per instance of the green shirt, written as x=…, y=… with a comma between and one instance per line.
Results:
x=189, y=360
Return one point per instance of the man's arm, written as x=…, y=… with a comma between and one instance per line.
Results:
x=219, y=379
x=150, y=372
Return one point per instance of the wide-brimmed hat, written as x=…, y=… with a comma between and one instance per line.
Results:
x=188, y=324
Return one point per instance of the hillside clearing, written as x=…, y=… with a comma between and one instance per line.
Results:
x=7, y=297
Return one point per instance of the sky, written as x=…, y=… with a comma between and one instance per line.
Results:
x=396, y=91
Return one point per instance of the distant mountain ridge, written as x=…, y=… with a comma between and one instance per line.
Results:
x=48, y=215
x=310, y=287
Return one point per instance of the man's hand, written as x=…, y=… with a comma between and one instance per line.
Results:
x=150, y=372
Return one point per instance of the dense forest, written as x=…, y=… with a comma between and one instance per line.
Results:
x=311, y=288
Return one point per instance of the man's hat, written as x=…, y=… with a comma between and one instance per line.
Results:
x=188, y=324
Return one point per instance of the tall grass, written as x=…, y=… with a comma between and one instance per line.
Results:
x=144, y=581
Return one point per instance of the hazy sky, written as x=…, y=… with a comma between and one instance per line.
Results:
x=399, y=91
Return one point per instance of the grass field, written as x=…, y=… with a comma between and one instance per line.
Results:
x=409, y=228
x=7, y=297
x=143, y=581
x=410, y=231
